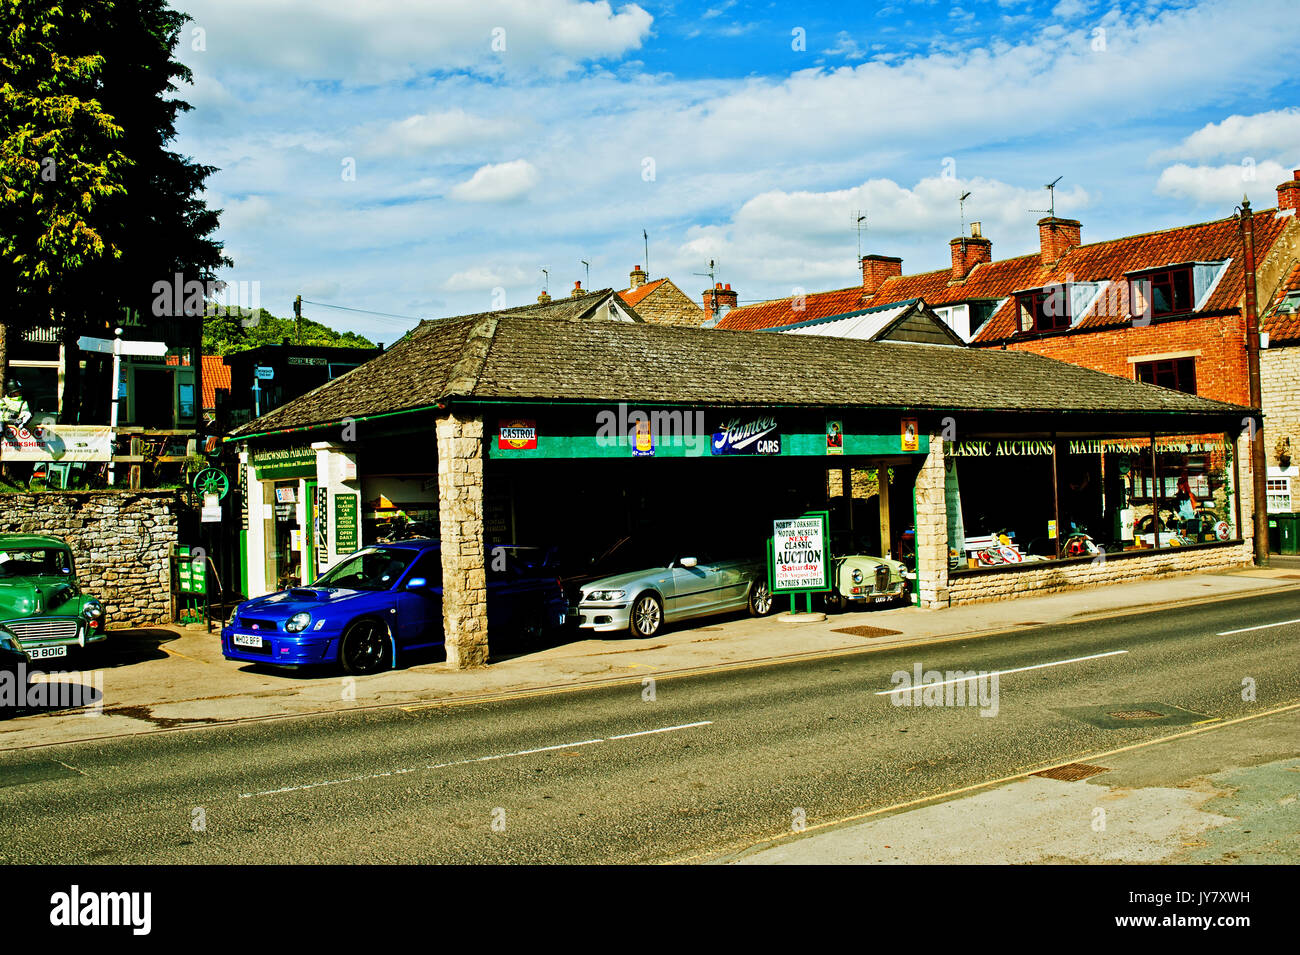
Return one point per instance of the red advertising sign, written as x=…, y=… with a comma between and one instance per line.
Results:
x=517, y=435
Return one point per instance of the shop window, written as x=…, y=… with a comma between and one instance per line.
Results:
x=1279, y=495
x=40, y=385
x=1178, y=374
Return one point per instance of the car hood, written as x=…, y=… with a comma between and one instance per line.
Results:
x=27, y=596
x=285, y=603
x=867, y=560
x=616, y=581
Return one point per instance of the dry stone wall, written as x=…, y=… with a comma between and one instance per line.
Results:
x=121, y=541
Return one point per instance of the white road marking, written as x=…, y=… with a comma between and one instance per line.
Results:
x=476, y=759
x=981, y=676
x=1263, y=626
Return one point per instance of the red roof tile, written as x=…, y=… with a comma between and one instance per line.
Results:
x=1107, y=261
x=216, y=374
x=634, y=295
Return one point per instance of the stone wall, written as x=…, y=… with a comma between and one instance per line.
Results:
x=121, y=541
x=460, y=515
x=1279, y=372
x=1051, y=576
x=669, y=305
x=932, y=528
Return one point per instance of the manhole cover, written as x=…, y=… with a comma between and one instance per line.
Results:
x=1132, y=715
x=1137, y=715
x=1072, y=772
x=867, y=631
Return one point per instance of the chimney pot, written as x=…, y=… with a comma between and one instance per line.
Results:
x=975, y=230
x=1056, y=236
x=638, y=277
x=877, y=269
x=968, y=253
x=1288, y=194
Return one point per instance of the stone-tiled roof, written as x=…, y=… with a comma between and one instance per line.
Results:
x=517, y=357
x=1283, y=327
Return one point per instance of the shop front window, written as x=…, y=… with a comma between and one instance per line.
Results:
x=1009, y=502
x=284, y=544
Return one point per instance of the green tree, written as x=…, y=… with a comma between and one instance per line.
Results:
x=227, y=331
x=60, y=161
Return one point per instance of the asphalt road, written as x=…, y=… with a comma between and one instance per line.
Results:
x=702, y=766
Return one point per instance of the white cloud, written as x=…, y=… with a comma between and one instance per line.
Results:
x=452, y=127
x=380, y=40
x=846, y=47
x=498, y=182
x=1270, y=133
x=480, y=277
x=1069, y=9
x=1223, y=185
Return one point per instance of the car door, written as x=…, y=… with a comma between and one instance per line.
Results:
x=419, y=609
x=693, y=588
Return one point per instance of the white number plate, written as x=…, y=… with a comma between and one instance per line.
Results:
x=46, y=653
x=246, y=640
x=882, y=599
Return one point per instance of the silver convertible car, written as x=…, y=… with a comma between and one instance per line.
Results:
x=643, y=601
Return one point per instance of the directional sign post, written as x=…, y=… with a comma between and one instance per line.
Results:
x=117, y=348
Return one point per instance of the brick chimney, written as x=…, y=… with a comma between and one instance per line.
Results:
x=719, y=300
x=577, y=290
x=1056, y=236
x=968, y=252
x=544, y=297
x=1288, y=194
x=876, y=269
x=638, y=277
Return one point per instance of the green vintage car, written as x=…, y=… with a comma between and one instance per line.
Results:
x=40, y=602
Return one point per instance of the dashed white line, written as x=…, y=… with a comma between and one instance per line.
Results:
x=981, y=676
x=476, y=759
x=1262, y=626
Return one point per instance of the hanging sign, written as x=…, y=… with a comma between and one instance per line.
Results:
x=643, y=445
x=909, y=435
x=345, y=523
x=834, y=437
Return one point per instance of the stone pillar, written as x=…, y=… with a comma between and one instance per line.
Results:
x=1246, y=489
x=460, y=514
x=932, y=528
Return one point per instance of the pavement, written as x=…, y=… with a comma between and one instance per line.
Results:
x=1225, y=794
x=174, y=677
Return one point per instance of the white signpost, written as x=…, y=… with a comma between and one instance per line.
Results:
x=117, y=348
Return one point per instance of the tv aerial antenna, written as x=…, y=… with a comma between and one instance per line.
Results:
x=587, y=265
x=859, y=217
x=546, y=281
x=1051, y=191
x=961, y=208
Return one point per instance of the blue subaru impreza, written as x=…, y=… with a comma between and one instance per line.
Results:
x=382, y=601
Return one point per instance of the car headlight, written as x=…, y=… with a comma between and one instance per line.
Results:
x=298, y=622
x=606, y=595
x=93, y=608
x=9, y=641
x=857, y=575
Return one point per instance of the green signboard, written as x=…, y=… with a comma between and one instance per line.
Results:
x=281, y=463
x=345, y=523
x=193, y=572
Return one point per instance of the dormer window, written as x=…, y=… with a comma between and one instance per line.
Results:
x=1055, y=307
x=1173, y=289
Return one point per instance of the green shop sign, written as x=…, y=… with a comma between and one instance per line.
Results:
x=689, y=433
x=283, y=463
x=345, y=523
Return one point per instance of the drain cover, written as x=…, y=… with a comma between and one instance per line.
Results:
x=867, y=632
x=1072, y=772
x=1137, y=715
x=1133, y=715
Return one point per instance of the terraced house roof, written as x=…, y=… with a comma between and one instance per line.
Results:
x=1109, y=261
x=509, y=356
x=1281, y=319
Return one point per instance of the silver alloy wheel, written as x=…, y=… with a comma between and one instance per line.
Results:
x=647, y=616
x=760, y=600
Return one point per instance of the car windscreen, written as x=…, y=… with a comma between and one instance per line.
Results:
x=374, y=568
x=35, y=562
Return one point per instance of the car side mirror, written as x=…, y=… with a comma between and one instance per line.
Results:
x=417, y=583
x=688, y=562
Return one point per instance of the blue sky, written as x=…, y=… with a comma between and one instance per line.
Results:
x=428, y=158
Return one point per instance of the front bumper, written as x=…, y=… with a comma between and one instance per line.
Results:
x=279, y=648
x=601, y=617
x=44, y=632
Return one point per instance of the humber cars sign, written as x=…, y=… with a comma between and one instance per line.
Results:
x=747, y=436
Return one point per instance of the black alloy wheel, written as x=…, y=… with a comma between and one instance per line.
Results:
x=365, y=648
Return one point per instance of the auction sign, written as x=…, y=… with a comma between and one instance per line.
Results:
x=798, y=560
